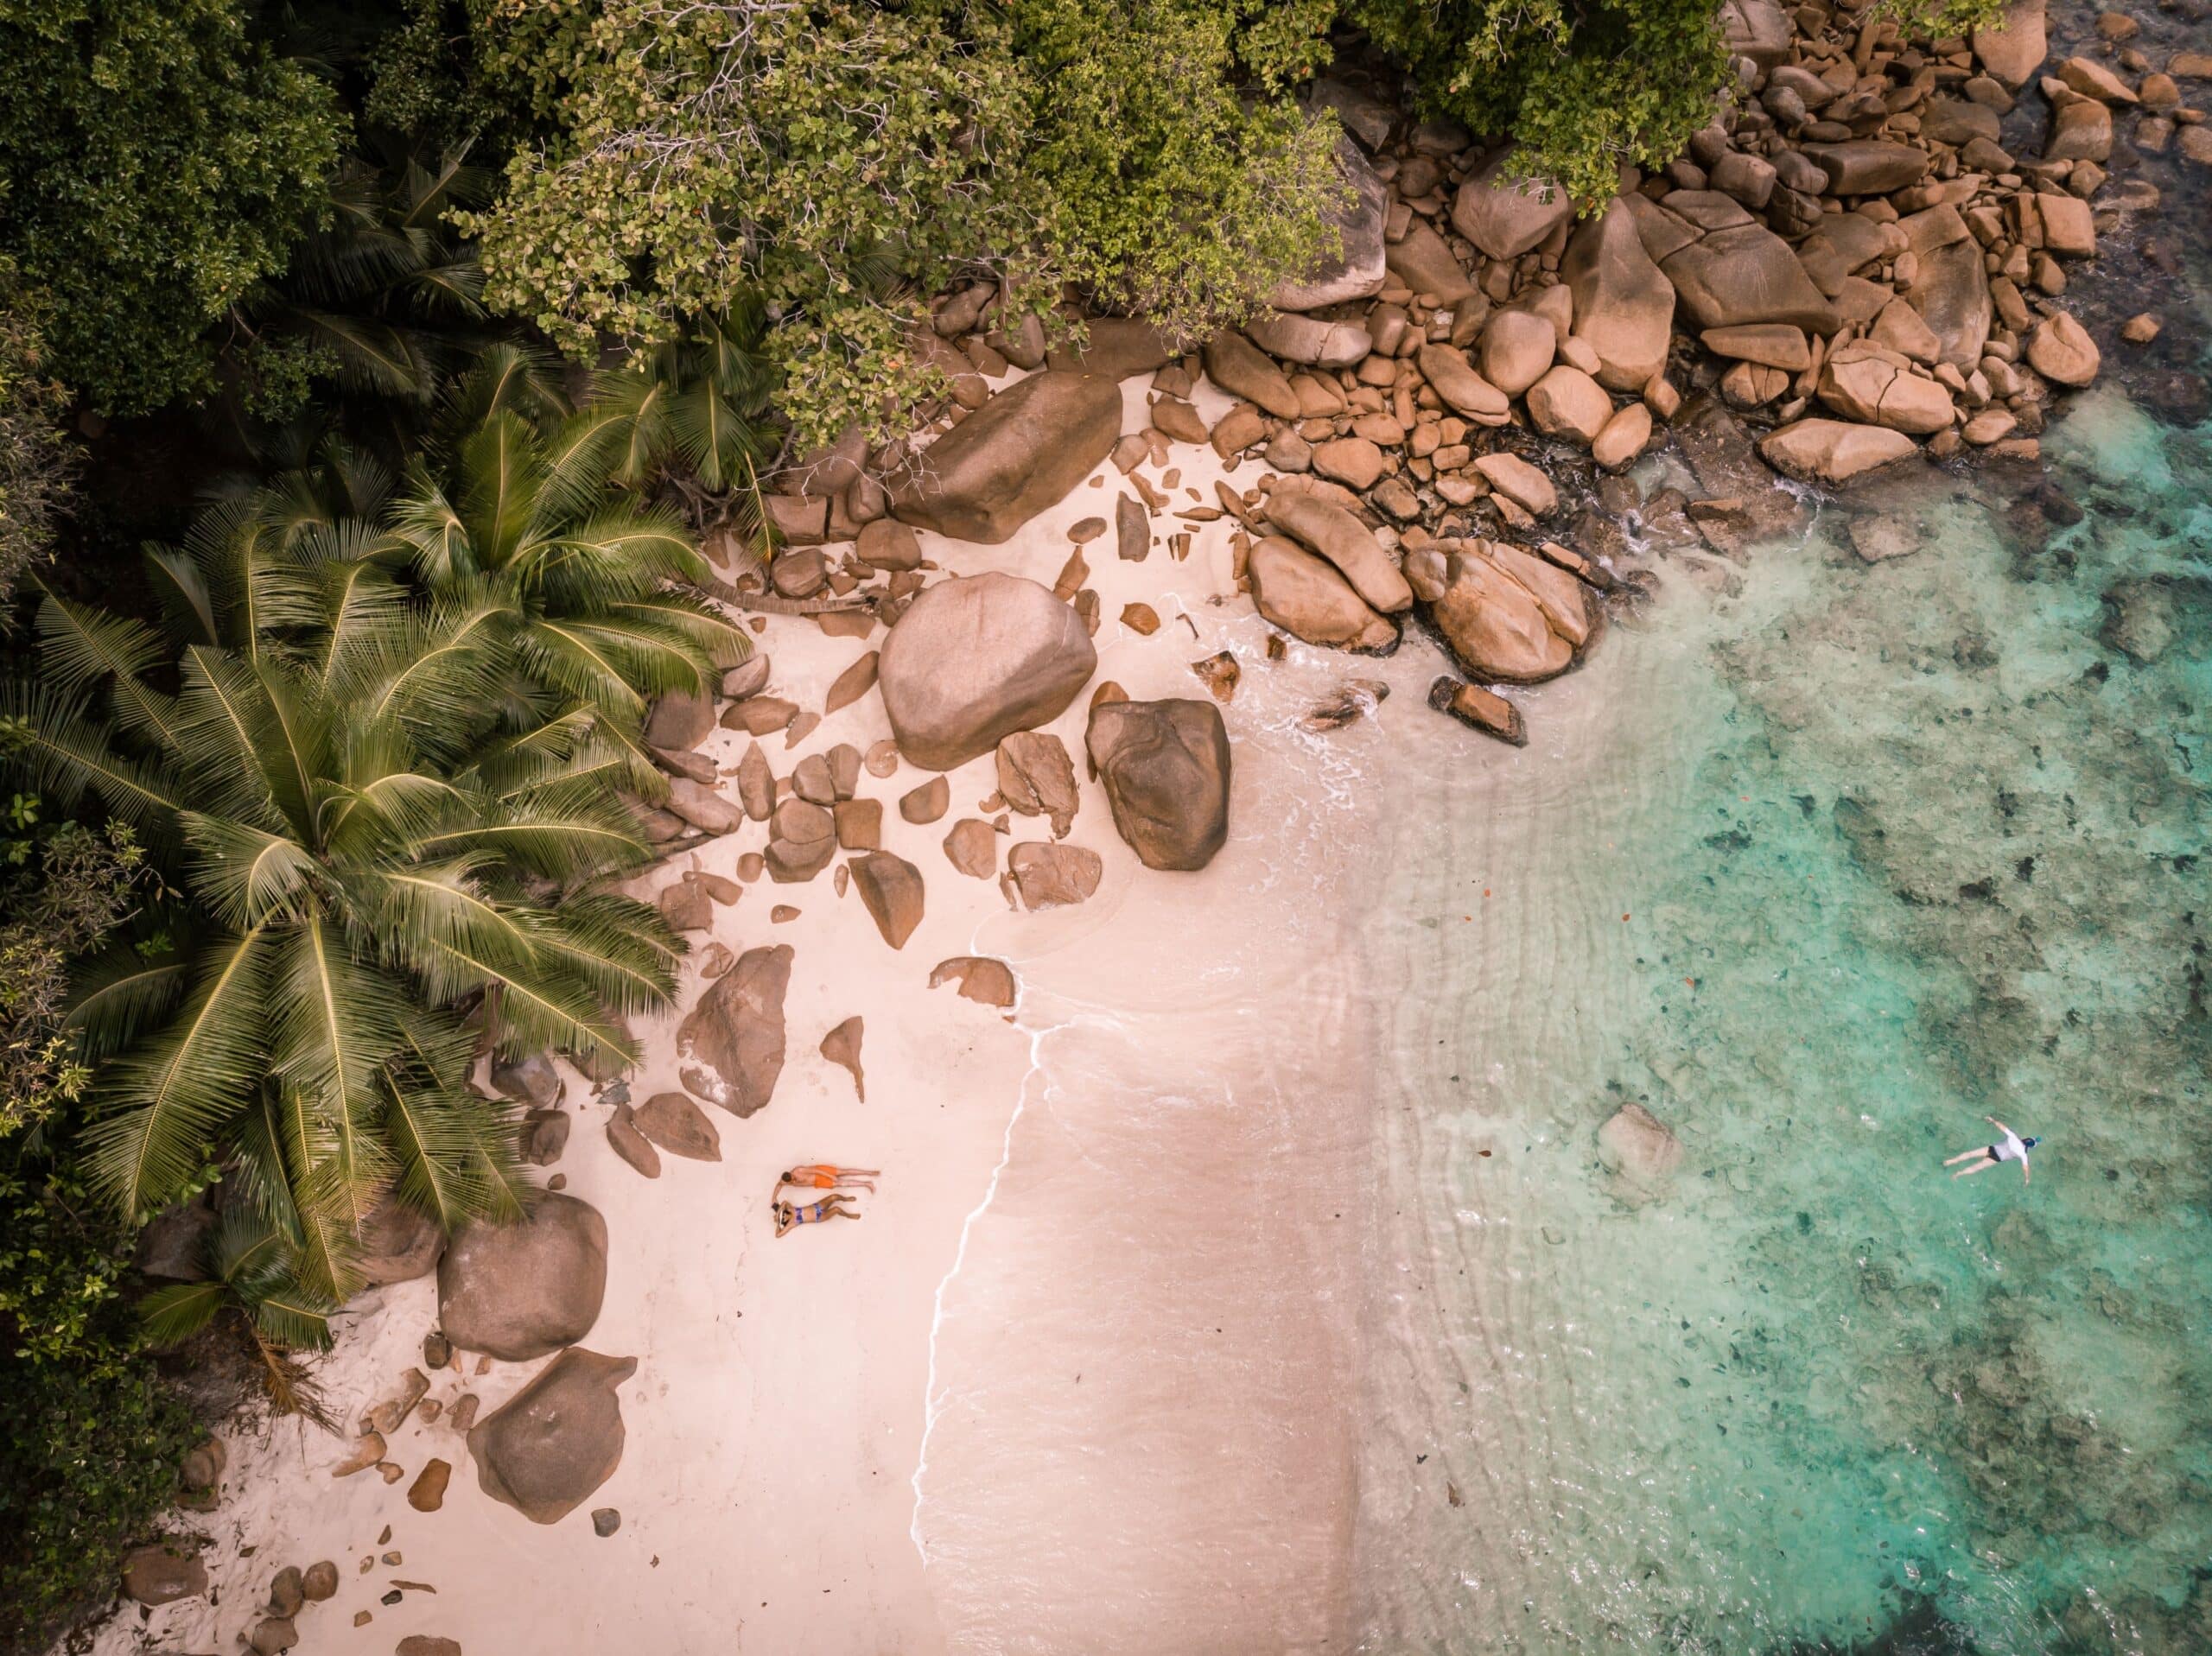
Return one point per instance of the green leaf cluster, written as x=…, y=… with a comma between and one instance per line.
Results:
x=91, y=1455
x=384, y=785
x=155, y=162
x=830, y=161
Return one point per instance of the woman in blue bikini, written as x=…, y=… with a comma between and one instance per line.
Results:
x=790, y=1218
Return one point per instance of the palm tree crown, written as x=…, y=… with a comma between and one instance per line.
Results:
x=385, y=783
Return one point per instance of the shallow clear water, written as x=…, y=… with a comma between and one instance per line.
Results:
x=1864, y=854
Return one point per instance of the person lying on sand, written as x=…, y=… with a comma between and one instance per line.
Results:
x=790, y=1218
x=822, y=1176
x=2011, y=1148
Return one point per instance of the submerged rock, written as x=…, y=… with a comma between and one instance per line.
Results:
x=1637, y=1146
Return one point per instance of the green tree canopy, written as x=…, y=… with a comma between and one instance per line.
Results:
x=155, y=162
x=829, y=160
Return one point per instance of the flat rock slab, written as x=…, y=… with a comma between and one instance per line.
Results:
x=730, y=1050
x=979, y=977
x=1019, y=454
x=1051, y=876
x=679, y=1126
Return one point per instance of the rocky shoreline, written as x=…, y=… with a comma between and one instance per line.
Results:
x=1849, y=273
x=1861, y=262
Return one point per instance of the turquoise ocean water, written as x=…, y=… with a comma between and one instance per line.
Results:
x=1860, y=855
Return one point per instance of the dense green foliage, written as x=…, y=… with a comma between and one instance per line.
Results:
x=95, y=1438
x=386, y=792
x=37, y=462
x=155, y=162
x=829, y=160
x=1583, y=89
x=380, y=298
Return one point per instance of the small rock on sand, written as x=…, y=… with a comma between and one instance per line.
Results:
x=605, y=1520
x=677, y=1125
x=972, y=848
x=927, y=803
x=428, y=1493
x=164, y=1572
x=1049, y=876
x=891, y=889
x=632, y=1145
x=841, y=1046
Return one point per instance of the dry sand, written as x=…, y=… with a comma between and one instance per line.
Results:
x=776, y=1423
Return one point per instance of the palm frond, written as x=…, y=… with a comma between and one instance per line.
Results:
x=245, y=875
x=181, y=586
x=164, y=1102
x=118, y=994
x=81, y=648
x=175, y=1312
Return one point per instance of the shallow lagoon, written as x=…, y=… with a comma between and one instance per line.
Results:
x=1864, y=853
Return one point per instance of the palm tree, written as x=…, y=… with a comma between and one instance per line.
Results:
x=509, y=512
x=250, y=1272
x=695, y=410
x=381, y=299
x=390, y=841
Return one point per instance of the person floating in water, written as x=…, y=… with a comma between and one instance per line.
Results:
x=824, y=1176
x=790, y=1218
x=2011, y=1148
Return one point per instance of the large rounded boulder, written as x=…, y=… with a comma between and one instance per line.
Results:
x=1165, y=766
x=550, y=1445
x=524, y=1289
x=1021, y=452
x=976, y=658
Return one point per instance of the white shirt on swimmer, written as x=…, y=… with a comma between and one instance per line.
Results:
x=2010, y=1149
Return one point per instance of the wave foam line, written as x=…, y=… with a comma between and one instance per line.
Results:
x=932, y=1403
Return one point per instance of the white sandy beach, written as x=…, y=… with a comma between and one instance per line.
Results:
x=776, y=1423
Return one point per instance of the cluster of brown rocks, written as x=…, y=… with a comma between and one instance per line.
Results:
x=971, y=666
x=1850, y=259
x=167, y=1571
